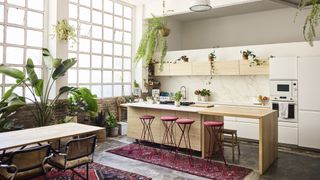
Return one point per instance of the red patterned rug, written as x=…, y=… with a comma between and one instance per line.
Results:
x=96, y=172
x=152, y=155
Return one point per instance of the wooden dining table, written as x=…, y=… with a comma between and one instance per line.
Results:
x=20, y=138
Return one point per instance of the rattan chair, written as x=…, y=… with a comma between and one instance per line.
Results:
x=26, y=163
x=77, y=152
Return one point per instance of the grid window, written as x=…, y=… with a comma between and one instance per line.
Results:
x=104, y=46
x=21, y=37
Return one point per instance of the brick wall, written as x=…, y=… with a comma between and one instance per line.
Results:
x=24, y=115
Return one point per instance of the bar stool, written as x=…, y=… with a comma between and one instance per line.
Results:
x=214, y=128
x=168, y=136
x=146, y=134
x=230, y=139
x=185, y=126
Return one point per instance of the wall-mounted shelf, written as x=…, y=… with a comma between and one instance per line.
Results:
x=221, y=68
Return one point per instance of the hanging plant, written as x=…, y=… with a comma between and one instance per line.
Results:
x=64, y=31
x=312, y=20
x=155, y=37
x=211, y=57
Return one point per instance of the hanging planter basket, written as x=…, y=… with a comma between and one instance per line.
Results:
x=164, y=32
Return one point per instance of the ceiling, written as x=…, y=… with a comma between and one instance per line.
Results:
x=251, y=7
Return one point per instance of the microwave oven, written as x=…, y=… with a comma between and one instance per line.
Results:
x=284, y=90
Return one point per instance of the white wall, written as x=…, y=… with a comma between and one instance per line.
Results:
x=234, y=89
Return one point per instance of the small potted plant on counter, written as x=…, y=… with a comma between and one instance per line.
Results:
x=204, y=95
x=197, y=93
x=177, y=98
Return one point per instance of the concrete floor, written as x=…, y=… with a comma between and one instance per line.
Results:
x=292, y=164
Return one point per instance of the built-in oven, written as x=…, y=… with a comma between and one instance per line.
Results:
x=292, y=111
x=284, y=90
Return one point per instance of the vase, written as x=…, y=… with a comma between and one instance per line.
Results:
x=197, y=98
x=204, y=98
x=114, y=131
x=177, y=103
x=164, y=32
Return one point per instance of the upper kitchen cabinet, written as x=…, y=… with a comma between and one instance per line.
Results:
x=201, y=68
x=226, y=67
x=246, y=69
x=283, y=68
x=164, y=72
x=180, y=69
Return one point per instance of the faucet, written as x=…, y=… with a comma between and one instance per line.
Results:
x=184, y=92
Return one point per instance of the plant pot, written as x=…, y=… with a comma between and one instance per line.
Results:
x=114, y=131
x=196, y=97
x=245, y=56
x=164, y=32
x=210, y=59
x=177, y=103
x=204, y=98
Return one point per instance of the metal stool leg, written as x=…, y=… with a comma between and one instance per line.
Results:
x=216, y=135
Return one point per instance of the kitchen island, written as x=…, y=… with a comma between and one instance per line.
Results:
x=268, y=125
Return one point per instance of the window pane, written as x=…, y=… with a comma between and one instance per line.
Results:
x=107, y=62
x=14, y=55
x=35, y=4
x=97, y=4
x=1, y=54
x=84, y=61
x=127, y=51
x=96, y=90
x=127, y=90
x=84, y=14
x=35, y=20
x=108, y=6
x=117, y=9
x=72, y=76
x=126, y=77
x=85, y=30
x=118, y=36
x=84, y=76
x=73, y=11
x=38, y=72
x=85, y=2
x=127, y=38
x=96, y=46
x=127, y=25
x=96, y=61
x=35, y=55
x=126, y=63
x=1, y=34
x=74, y=55
x=15, y=35
x=118, y=22
x=118, y=49
x=17, y=2
x=107, y=34
x=18, y=90
x=117, y=89
x=1, y=13
x=107, y=76
x=117, y=63
x=10, y=80
x=96, y=76
x=16, y=16
x=107, y=48
x=72, y=46
x=34, y=38
x=117, y=76
x=97, y=17
x=107, y=91
x=127, y=12
x=108, y=20
x=97, y=32
x=84, y=45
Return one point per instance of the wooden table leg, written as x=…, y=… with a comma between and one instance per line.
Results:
x=268, y=141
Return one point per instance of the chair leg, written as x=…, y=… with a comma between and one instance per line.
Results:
x=233, y=145
x=238, y=144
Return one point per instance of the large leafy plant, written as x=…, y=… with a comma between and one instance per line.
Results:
x=153, y=38
x=40, y=89
x=9, y=104
x=312, y=20
x=82, y=100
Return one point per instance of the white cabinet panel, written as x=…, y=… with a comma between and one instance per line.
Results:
x=283, y=68
x=309, y=84
x=309, y=124
x=288, y=135
x=248, y=130
x=230, y=125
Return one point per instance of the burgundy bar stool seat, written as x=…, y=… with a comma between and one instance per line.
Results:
x=147, y=117
x=185, y=126
x=214, y=128
x=168, y=118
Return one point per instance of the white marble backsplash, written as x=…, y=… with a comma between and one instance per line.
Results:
x=231, y=89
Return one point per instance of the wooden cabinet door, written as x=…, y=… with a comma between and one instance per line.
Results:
x=201, y=68
x=165, y=71
x=180, y=69
x=226, y=68
x=246, y=69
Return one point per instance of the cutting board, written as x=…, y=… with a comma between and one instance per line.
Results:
x=203, y=105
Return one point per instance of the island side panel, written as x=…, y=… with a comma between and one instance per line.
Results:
x=268, y=141
x=205, y=151
x=134, y=123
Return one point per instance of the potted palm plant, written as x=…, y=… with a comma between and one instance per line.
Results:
x=111, y=125
x=154, y=37
x=40, y=89
x=177, y=98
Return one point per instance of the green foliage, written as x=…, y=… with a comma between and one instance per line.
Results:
x=82, y=100
x=111, y=120
x=178, y=96
x=44, y=106
x=8, y=107
x=151, y=40
x=65, y=31
x=212, y=55
x=203, y=92
x=311, y=22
